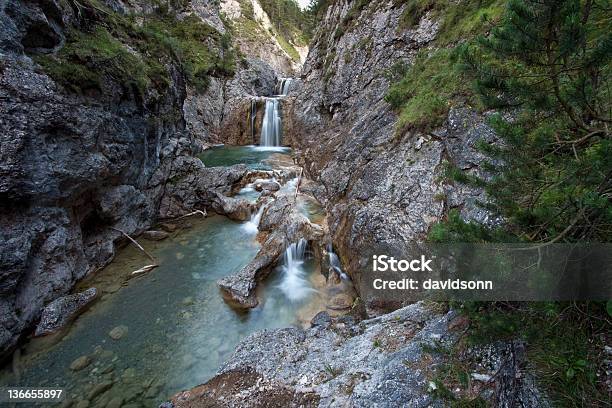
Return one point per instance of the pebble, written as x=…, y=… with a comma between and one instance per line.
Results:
x=116, y=402
x=155, y=235
x=128, y=373
x=118, y=332
x=99, y=389
x=80, y=363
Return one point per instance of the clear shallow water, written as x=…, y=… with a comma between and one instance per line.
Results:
x=179, y=328
x=252, y=156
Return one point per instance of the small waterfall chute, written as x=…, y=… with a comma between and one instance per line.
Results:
x=334, y=263
x=253, y=118
x=272, y=124
x=283, y=86
x=294, y=284
x=252, y=225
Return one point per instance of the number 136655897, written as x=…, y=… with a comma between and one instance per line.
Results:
x=20, y=394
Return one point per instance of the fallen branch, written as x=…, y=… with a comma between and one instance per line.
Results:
x=202, y=213
x=142, y=270
x=137, y=245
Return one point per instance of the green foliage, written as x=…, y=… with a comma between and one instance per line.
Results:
x=75, y=77
x=423, y=96
x=87, y=57
x=424, y=93
x=108, y=46
x=350, y=17
x=562, y=338
x=186, y=41
x=550, y=62
x=331, y=370
x=292, y=24
x=317, y=8
x=455, y=230
x=458, y=19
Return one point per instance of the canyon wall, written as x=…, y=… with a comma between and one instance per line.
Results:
x=78, y=167
x=382, y=185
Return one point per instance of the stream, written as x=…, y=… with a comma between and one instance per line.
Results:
x=175, y=329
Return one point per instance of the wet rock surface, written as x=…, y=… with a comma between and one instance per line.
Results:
x=75, y=170
x=386, y=361
x=340, y=364
x=282, y=223
x=57, y=314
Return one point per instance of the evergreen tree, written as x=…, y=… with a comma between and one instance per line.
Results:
x=547, y=66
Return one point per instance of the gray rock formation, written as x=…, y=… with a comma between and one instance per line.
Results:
x=372, y=363
x=57, y=314
x=283, y=224
x=381, y=187
x=387, y=361
x=75, y=169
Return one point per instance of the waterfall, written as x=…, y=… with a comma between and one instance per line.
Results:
x=253, y=118
x=334, y=263
x=283, y=86
x=252, y=225
x=271, y=127
x=294, y=284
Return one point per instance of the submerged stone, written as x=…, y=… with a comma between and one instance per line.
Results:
x=80, y=363
x=115, y=402
x=118, y=332
x=99, y=389
x=155, y=235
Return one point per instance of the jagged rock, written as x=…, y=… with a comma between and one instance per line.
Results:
x=239, y=289
x=152, y=235
x=72, y=167
x=168, y=227
x=235, y=208
x=286, y=225
x=267, y=185
x=57, y=314
x=194, y=186
x=321, y=319
x=326, y=363
x=380, y=185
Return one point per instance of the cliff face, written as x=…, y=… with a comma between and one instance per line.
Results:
x=76, y=167
x=381, y=185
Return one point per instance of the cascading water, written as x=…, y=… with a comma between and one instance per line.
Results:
x=252, y=225
x=253, y=118
x=283, y=86
x=272, y=125
x=294, y=284
x=334, y=263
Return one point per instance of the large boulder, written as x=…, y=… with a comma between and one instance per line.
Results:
x=57, y=314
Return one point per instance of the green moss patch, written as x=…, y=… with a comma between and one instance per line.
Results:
x=108, y=46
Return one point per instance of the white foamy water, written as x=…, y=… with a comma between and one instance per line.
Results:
x=252, y=226
x=294, y=284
